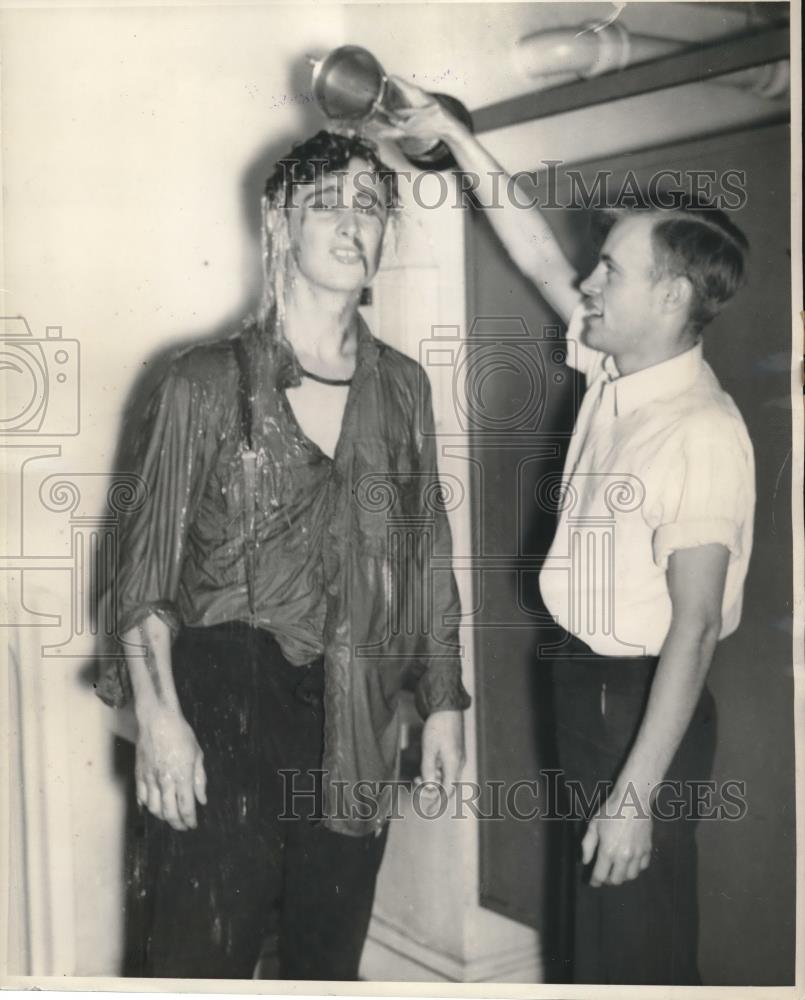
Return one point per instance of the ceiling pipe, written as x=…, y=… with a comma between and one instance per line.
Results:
x=563, y=54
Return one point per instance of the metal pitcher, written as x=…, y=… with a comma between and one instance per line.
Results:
x=350, y=85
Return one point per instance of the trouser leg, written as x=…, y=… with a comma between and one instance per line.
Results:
x=210, y=890
x=329, y=878
x=644, y=931
x=211, y=903
x=214, y=893
x=327, y=902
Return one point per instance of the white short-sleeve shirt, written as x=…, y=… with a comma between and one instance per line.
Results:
x=660, y=460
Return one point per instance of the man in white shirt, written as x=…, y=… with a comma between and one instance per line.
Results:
x=661, y=453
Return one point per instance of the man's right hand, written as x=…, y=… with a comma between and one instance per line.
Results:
x=424, y=118
x=169, y=772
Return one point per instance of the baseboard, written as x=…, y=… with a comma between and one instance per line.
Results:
x=391, y=955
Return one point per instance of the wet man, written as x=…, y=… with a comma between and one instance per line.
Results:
x=260, y=581
x=631, y=706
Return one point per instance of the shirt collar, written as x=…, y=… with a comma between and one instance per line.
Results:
x=666, y=379
x=282, y=360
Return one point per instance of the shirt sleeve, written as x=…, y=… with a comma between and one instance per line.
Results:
x=706, y=494
x=152, y=542
x=169, y=457
x=440, y=686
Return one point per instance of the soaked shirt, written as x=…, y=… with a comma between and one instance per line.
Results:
x=352, y=554
x=184, y=553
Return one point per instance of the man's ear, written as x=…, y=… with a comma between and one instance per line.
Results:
x=677, y=294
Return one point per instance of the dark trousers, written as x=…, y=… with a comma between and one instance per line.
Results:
x=211, y=897
x=644, y=931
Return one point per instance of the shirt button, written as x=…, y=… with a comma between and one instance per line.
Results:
x=333, y=589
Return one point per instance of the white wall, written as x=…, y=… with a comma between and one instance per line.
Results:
x=129, y=135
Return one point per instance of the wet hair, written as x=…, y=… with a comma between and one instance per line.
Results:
x=308, y=161
x=326, y=153
x=699, y=243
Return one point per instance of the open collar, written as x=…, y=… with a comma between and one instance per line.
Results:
x=661, y=381
x=273, y=357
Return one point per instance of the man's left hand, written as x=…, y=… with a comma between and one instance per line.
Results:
x=443, y=748
x=620, y=844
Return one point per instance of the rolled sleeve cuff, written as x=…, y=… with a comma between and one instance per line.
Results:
x=440, y=689
x=114, y=684
x=165, y=610
x=690, y=534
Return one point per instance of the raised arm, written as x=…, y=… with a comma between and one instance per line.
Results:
x=524, y=232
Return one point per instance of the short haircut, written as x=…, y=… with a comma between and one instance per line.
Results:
x=701, y=244
x=323, y=153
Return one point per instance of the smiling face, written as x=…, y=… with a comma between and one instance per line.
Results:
x=623, y=296
x=336, y=228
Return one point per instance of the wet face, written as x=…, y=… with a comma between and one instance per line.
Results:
x=336, y=228
x=622, y=296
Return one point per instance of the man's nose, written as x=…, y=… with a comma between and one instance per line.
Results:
x=348, y=221
x=590, y=285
